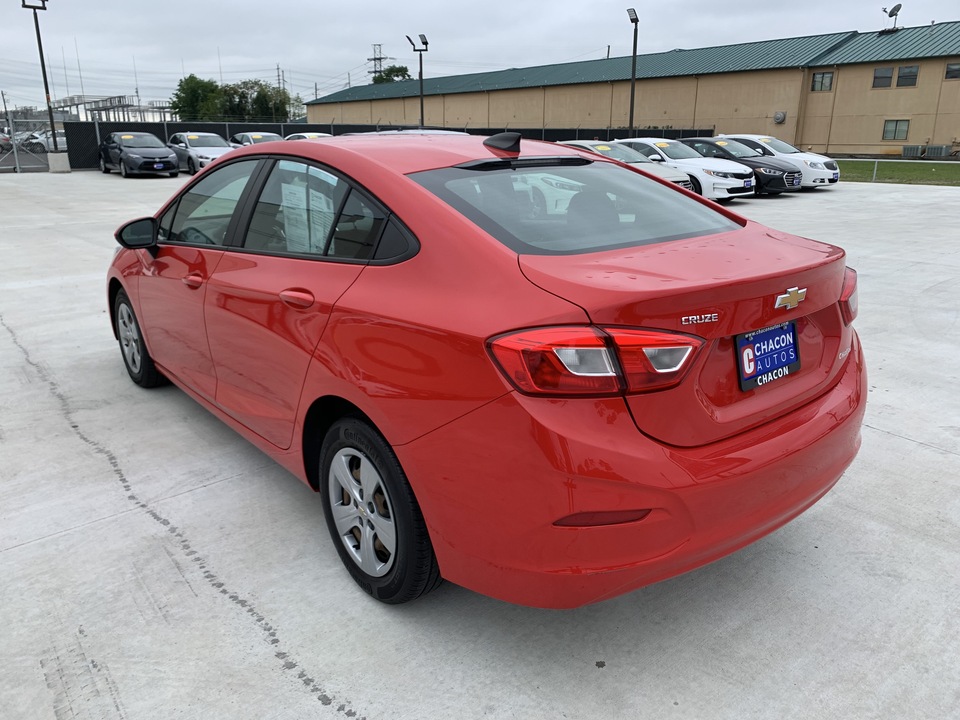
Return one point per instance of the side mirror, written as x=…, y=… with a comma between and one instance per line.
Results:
x=138, y=234
x=656, y=158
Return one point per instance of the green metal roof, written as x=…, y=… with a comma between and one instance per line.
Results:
x=913, y=43
x=810, y=51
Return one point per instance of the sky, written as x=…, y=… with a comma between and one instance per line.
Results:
x=121, y=47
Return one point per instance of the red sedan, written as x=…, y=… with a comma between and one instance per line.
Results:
x=537, y=373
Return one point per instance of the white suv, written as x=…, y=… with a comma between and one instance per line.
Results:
x=818, y=170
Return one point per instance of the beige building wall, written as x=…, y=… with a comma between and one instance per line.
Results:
x=848, y=119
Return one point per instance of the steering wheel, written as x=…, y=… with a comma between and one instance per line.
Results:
x=195, y=237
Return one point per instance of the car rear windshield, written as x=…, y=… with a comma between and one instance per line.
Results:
x=265, y=137
x=567, y=209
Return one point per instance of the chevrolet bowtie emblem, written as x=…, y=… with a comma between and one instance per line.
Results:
x=791, y=298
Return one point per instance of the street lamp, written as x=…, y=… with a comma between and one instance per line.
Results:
x=420, y=52
x=633, y=68
x=42, y=5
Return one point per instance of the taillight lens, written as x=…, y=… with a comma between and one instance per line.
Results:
x=849, y=298
x=585, y=360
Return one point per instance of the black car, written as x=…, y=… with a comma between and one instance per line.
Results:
x=137, y=153
x=774, y=176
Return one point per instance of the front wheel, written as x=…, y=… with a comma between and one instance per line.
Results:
x=373, y=516
x=136, y=359
x=175, y=173
x=191, y=168
x=103, y=166
x=123, y=169
x=697, y=188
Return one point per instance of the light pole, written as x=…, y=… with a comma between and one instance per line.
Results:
x=420, y=52
x=633, y=67
x=42, y=5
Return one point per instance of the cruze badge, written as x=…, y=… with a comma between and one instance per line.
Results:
x=791, y=298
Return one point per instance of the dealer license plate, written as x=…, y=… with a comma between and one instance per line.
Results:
x=764, y=356
x=836, y=176
x=158, y=166
x=747, y=183
x=796, y=181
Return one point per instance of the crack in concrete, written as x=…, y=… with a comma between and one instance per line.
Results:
x=286, y=662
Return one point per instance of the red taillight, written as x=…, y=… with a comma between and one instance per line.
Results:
x=586, y=360
x=849, y=300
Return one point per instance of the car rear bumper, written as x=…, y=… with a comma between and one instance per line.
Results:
x=492, y=485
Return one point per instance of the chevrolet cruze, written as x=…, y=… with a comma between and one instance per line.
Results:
x=548, y=408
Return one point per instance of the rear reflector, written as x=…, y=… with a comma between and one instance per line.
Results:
x=586, y=360
x=602, y=517
x=849, y=298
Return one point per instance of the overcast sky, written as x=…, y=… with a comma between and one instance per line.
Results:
x=113, y=47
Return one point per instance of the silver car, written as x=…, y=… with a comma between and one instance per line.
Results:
x=196, y=150
x=628, y=155
x=253, y=138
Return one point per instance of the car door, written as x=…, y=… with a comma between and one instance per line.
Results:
x=173, y=282
x=111, y=152
x=308, y=239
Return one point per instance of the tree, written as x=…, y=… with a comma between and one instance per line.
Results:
x=195, y=99
x=245, y=101
x=392, y=74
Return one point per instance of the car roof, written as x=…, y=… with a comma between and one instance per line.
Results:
x=651, y=139
x=194, y=132
x=405, y=153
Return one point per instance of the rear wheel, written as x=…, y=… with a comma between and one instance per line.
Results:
x=373, y=516
x=136, y=359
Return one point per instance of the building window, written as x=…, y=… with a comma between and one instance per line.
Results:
x=953, y=71
x=822, y=82
x=907, y=75
x=895, y=129
x=882, y=77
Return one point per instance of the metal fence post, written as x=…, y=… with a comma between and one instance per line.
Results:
x=875, y=163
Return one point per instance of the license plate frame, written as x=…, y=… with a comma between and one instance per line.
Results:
x=767, y=355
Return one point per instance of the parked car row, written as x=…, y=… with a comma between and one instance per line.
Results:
x=142, y=153
x=728, y=166
x=40, y=141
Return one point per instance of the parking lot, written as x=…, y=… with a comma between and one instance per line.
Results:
x=155, y=565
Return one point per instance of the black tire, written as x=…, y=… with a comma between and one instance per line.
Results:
x=136, y=359
x=696, y=185
x=174, y=173
x=191, y=168
x=103, y=167
x=123, y=168
x=366, y=501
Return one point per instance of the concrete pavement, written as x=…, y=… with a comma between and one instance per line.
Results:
x=154, y=565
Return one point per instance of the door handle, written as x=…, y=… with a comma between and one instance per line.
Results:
x=193, y=280
x=297, y=298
